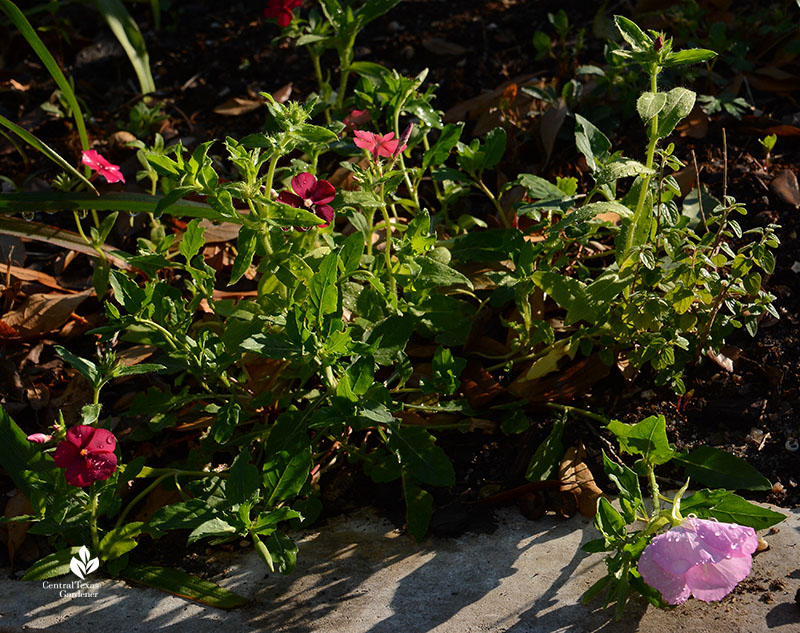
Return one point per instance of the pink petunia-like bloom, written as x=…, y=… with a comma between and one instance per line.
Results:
x=96, y=162
x=281, y=10
x=39, y=438
x=699, y=558
x=377, y=145
x=312, y=195
x=87, y=454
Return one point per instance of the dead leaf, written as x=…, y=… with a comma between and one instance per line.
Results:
x=281, y=95
x=577, y=479
x=121, y=138
x=479, y=386
x=563, y=385
x=721, y=360
x=784, y=185
x=695, y=125
x=222, y=232
x=44, y=312
x=438, y=46
x=26, y=274
x=17, y=506
x=237, y=106
x=550, y=125
x=136, y=354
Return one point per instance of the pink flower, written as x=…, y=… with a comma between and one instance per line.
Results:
x=282, y=11
x=377, y=145
x=702, y=558
x=95, y=161
x=87, y=454
x=312, y=195
x=356, y=119
x=39, y=438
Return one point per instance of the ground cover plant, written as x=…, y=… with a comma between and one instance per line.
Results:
x=357, y=280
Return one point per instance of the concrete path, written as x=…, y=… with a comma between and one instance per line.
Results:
x=360, y=575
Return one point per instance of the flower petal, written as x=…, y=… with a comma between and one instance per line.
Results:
x=724, y=539
x=101, y=465
x=717, y=580
x=323, y=193
x=80, y=435
x=102, y=441
x=672, y=586
x=66, y=453
x=78, y=474
x=287, y=197
x=325, y=211
x=304, y=184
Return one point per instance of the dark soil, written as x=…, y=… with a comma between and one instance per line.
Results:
x=208, y=52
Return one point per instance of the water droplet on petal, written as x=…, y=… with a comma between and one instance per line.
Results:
x=717, y=533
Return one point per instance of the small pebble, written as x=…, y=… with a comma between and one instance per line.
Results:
x=763, y=546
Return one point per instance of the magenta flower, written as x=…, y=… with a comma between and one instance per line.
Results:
x=95, y=161
x=281, y=10
x=702, y=558
x=87, y=454
x=377, y=145
x=312, y=195
x=39, y=438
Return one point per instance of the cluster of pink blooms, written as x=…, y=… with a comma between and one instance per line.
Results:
x=700, y=558
x=96, y=162
x=281, y=10
x=87, y=454
x=380, y=145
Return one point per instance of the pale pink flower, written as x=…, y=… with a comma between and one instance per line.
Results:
x=377, y=145
x=700, y=558
x=95, y=161
x=39, y=438
x=312, y=195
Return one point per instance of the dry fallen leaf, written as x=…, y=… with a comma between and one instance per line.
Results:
x=26, y=274
x=438, y=46
x=784, y=185
x=16, y=531
x=237, y=106
x=44, y=312
x=577, y=479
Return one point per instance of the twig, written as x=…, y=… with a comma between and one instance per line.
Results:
x=699, y=188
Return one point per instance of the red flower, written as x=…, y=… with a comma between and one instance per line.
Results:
x=377, y=145
x=282, y=11
x=95, y=161
x=312, y=195
x=87, y=454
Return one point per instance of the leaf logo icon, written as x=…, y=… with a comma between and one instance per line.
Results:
x=84, y=564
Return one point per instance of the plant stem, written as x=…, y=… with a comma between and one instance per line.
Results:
x=576, y=411
x=482, y=186
x=651, y=475
x=93, y=520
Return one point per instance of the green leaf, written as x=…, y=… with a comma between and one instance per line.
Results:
x=285, y=474
x=627, y=482
x=545, y=461
x=539, y=188
x=689, y=56
x=680, y=102
x=246, y=243
x=216, y=527
x=323, y=291
x=127, y=32
x=184, y=515
x=19, y=457
x=448, y=138
x=227, y=419
x=419, y=509
x=351, y=252
x=647, y=438
x=52, y=565
x=720, y=469
x=243, y=479
x=130, y=202
x=184, y=585
x=596, y=588
x=192, y=240
x=621, y=168
x=373, y=9
x=632, y=34
x=609, y=522
x=119, y=541
x=650, y=104
x=45, y=149
x=434, y=274
x=591, y=142
x=421, y=457
x=28, y=32
x=283, y=551
x=86, y=368
x=730, y=508
x=494, y=148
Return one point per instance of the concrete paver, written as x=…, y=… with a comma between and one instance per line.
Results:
x=358, y=574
